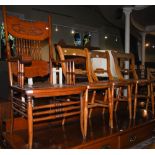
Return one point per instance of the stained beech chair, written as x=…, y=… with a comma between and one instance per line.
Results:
x=25, y=58
x=151, y=77
x=85, y=72
x=35, y=100
x=101, y=72
x=137, y=85
x=80, y=61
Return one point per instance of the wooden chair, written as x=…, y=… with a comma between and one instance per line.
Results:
x=35, y=101
x=137, y=84
x=75, y=56
x=25, y=58
x=100, y=73
x=86, y=70
x=151, y=77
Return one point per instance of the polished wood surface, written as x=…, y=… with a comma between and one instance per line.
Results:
x=126, y=133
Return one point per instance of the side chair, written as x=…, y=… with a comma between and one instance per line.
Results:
x=86, y=70
x=136, y=84
x=32, y=91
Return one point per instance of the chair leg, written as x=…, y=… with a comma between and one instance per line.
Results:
x=12, y=121
x=12, y=114
x=85, y=113
x=135, y=100
x=152, y=98
x=148, y=96
x=110, y=98
x=63, y=121
x=92, y=102
x=129, y=101
x=30, y=123
x=104, y=101
x=117, y=98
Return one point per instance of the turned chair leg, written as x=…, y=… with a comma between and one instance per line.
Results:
x=110, y=99
x=105, y=101
x=92, y=102
x=152, y=98
x=11, y=122
x=12, y=114
x=30, y=122
x=148, y=96
x=117, y=98
x=129, y=101
x=135, y=100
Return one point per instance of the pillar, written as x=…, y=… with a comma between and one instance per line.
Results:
x=127, y=11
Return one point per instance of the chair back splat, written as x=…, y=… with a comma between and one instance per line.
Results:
x=29, y=39
x=104, y=72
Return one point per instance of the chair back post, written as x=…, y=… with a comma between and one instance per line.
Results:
x=88, y=66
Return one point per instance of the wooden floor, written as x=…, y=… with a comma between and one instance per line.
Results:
x=99, y=134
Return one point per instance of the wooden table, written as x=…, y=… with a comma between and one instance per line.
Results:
x=23, y=103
